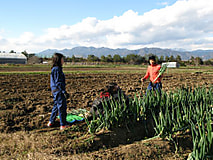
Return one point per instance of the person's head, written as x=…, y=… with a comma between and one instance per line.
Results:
x=58, y=60
x=112, y=88
x=152, y=60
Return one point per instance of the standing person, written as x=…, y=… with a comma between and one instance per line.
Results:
x=152, y=72
x=57, y=84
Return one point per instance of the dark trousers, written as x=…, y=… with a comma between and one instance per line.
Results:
x=59, y=107
x=155, y=87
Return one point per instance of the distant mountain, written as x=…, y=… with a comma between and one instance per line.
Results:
x=47, y=53
x=85, y=51
x=204, y=54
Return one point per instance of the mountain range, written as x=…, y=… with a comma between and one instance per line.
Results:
x=85, y=51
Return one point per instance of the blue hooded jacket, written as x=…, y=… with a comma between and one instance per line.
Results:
x=57, y=81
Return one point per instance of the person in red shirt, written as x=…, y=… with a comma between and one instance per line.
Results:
x=151, y=73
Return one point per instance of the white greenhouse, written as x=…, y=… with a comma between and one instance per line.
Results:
x=172, y=64
x=14, y=58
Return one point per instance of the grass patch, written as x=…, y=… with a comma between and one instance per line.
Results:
x=73, y=72
x=24, y=66
x=24, y=72
x=105, y=71
x=69, y=66
x=96, y=69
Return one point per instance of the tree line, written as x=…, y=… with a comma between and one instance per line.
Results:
x=131, y=59
x=138, y=59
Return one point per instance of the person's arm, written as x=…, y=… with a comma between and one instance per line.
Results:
x=56, y=75
x=158, y=77
x=146, y=75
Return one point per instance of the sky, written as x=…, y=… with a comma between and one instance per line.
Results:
x=37, y=25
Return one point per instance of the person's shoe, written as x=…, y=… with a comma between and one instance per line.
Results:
x=64, y=127
x=49, y=124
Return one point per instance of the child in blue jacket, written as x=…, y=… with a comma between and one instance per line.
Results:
x=57, y=84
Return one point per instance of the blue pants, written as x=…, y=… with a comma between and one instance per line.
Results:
x=60, y=106
x=156, y=87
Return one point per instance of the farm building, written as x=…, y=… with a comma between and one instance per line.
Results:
x=172, y=64
x=14, y=58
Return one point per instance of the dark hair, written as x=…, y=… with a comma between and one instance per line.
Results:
x=152, y=58
x=111, y=88
x=56, y=59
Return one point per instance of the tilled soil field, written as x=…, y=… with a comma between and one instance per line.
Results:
x=26, y=103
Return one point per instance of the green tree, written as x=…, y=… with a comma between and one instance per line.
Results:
x=171, y=58
x=81, y=59
x=198, y=61
x=92, y=58
x=117, y=58
x=24, y=53
x=109, y=58
x=192, y=58
x=208, y=62
x=12, y=51
x=134, y=59
x=73, y=58
x=103, y=58
x=142, y=59
x=161, y=59
x=167, y=59
x=178, y=58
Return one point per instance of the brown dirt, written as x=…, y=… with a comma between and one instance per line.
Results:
x=25, y=107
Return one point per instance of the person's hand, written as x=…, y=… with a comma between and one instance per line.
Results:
x=66, y=95
x=143, y=79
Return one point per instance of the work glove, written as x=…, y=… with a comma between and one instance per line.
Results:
x=66, y=95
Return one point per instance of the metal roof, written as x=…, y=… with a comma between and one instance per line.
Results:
x=13, y=55
x=172, y=64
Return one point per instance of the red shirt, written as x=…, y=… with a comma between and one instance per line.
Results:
x=152, y=72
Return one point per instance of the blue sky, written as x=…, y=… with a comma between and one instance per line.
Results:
x=19, y=16
x=38, y=25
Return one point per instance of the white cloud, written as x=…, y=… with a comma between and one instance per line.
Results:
x=1, y=31
x=186, y=24
x=164, y=3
